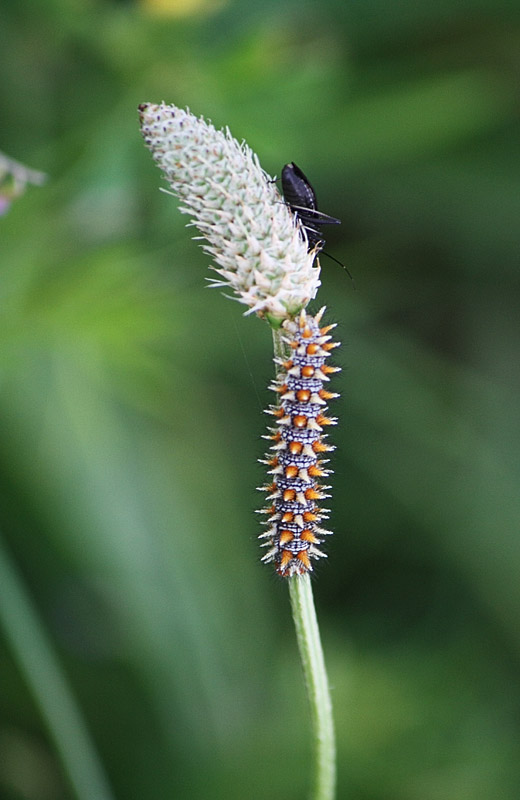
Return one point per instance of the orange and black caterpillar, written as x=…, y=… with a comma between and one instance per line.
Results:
x=294, y=515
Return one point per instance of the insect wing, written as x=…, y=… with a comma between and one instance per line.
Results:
x=315, y=216
x=297, y=190
x=301, y=199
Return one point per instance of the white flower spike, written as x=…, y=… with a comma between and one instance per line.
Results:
x=260, y=249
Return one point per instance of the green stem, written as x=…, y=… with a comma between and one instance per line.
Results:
x=48, y=684
x=311, y=654
x=313, y=662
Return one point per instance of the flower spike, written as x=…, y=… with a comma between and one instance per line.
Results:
x=258, y=246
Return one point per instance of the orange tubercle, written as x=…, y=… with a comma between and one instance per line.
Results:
x=326, y=329
x=322, y=420
x=325, y=395
x=315, y=471
x=320, y=447
x=304, y=558
x=308, y=536
x=285, y=560
x=328, y=370
x=295, y=448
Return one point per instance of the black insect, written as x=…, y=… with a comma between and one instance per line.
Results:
x=301, y=199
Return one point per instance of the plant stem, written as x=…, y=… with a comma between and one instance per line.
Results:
x=311, y=654
x=313, y=662
x=35, y=657
x=280, y=348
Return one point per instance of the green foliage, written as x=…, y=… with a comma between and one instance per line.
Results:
x=131, y=403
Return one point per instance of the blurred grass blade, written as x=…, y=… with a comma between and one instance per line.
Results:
x=39, y=665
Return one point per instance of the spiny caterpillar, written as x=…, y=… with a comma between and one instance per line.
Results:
x=294, y=517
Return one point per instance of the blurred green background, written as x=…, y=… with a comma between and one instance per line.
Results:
x=132, y=602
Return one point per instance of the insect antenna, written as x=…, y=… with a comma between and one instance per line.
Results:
x=323, y=253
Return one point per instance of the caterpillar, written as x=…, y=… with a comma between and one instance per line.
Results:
x=295, y=459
